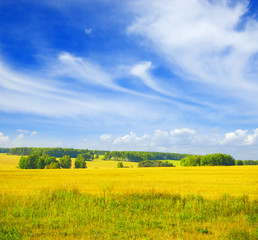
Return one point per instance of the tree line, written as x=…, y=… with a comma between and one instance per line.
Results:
x=44, y=161
x=133, y=156
x=246, y=162
x=216, y=159
x=4, y=150
x=157, y=163
x=53, y=152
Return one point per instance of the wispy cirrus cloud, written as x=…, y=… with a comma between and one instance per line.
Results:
x=141, y=70
x=203, y=43
x=34, y=133
x=23, y=131
x=82, y=70
x=46, y=93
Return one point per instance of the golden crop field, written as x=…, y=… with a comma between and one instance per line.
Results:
x=106, y=202
x=210, y=182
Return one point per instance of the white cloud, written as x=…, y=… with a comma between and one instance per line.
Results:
x=106, y=137
x=150, y=142
x=18, y=140
x=23, y=131
x=252, y=138
x=184, y=136
x=19, y=137
x=91, y=74
x=127, y=139
x=88, y=31
x=47, y=96
x=201, y=42
x=143, y=138
x=160, y=139
x=142, y=71
x=240, y=137
x=3, y=139
x=83, y=70
x=182, y=131
x=34, y=133
x=186, y=140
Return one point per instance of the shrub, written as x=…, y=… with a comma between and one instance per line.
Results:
x=193, y=160
x=53, y=165
x=120, y=165
x=148, y=163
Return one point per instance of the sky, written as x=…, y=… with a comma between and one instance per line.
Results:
x=140, y=75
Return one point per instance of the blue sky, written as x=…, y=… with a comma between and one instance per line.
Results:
x=168, y=75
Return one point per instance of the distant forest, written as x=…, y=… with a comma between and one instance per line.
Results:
x=52, y=152
x=141, y=156
x=4, y=150
x=131, y=156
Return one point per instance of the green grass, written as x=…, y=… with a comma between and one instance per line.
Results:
x=69, y=214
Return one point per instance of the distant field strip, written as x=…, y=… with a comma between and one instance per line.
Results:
x=103, y=176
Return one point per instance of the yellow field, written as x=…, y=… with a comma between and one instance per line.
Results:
x=103, y=176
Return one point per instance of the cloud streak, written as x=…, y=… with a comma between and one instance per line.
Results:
x=34, y=133
x=204, y=45
x=86, y=94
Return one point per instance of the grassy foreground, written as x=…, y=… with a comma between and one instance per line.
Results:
x=64, y=214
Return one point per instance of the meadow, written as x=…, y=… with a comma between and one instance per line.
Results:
x=105, y=202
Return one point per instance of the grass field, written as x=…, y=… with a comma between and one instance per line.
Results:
x=210, y=182
x=105, y=202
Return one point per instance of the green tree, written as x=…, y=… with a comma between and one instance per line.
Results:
x=120, y=165
x=80, y=163
x=23, y=162
x=193, y=160
x=217, y=159
x=53, y=165
x=239, y=162
x=65, y=161
x=85, y=156
x=29, y=162
x=41, y=163
x=106, y=156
